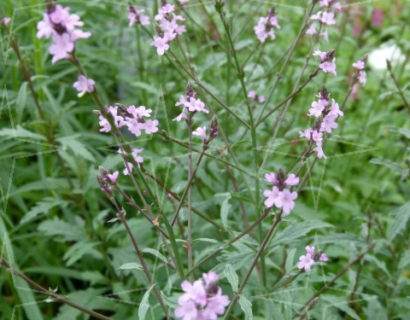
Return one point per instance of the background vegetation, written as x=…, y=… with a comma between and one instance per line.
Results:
x=57, y=230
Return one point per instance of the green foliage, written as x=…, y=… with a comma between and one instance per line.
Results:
x=58, y=228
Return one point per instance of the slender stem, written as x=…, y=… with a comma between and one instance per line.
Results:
x=51, y=294
x=176, y=197
x=312, y=301
x=189, y=217
x=230, y=242
x=255, y=260
x=140, y=257
x=191, y=178
x=288, y=56
x=25, y=70
x=134, y=205
x=240, y=75
x=183, y=144
x=396, y=83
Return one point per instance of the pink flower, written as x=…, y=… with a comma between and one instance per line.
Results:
x=311, y=30
x=210, y=278
x=329, y=123
x=337, y=6
x=286, y=201
x=307, y=133
x=271, y=178
x=191, y=104
x=61, y=47
x=200, y=132
x=130, y=166
x=150, y=126
x=265, y=27
x=317, y=108
x=327, y=60
x=292, y=180
x=359, y=65
x=328, y=66
x=319, y=150
x=112, y=177
x=135, y=154
x=323, y=257
x=104, y=124
x=328, y=18
x=252, y=94
x=187, y=311
x=194, y=105
x=199, y=302
x=183, y=1
x=5, y=21
x=362, y=77
x=306, y=262
x=272, y=197
x=377, y=17
x=61, y=26
x=161, y=44
x=169, y=28
x=84, y=85
x=320, y=54
x=136, y=16
x=215, y=306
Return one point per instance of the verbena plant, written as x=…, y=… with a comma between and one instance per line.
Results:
x=203, y=160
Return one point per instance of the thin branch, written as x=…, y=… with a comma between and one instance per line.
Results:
x=255, y=260
x=396, y=83
x=51, y=294
x=312, y=301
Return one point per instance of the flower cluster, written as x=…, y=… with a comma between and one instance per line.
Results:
x=266, y=25
x=84, y=85
x=131, y=117
x=258, y=98
x=307, y=261
x=326, y=114
x=201, y=301
x=137, y=16
x=325, y=18
x=107, y=179
x=168, y=26
x=359, y=66
x=189, y=103
x=61, y=26
x=327, y=61
x=279, y=196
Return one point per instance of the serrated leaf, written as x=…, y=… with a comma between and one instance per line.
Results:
x=298, y=230
x=62, y=229
x=21, y=100
x=130, y=266
x=375, y=310
x=156, y=253
x=24, y=292
x=232, y=277
x=43, y=206
x=144, y=305
x=225, y=206
x=78, y=250
x=77, y=147
x=246, y=307
x=399, y=224
x=20, y=133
